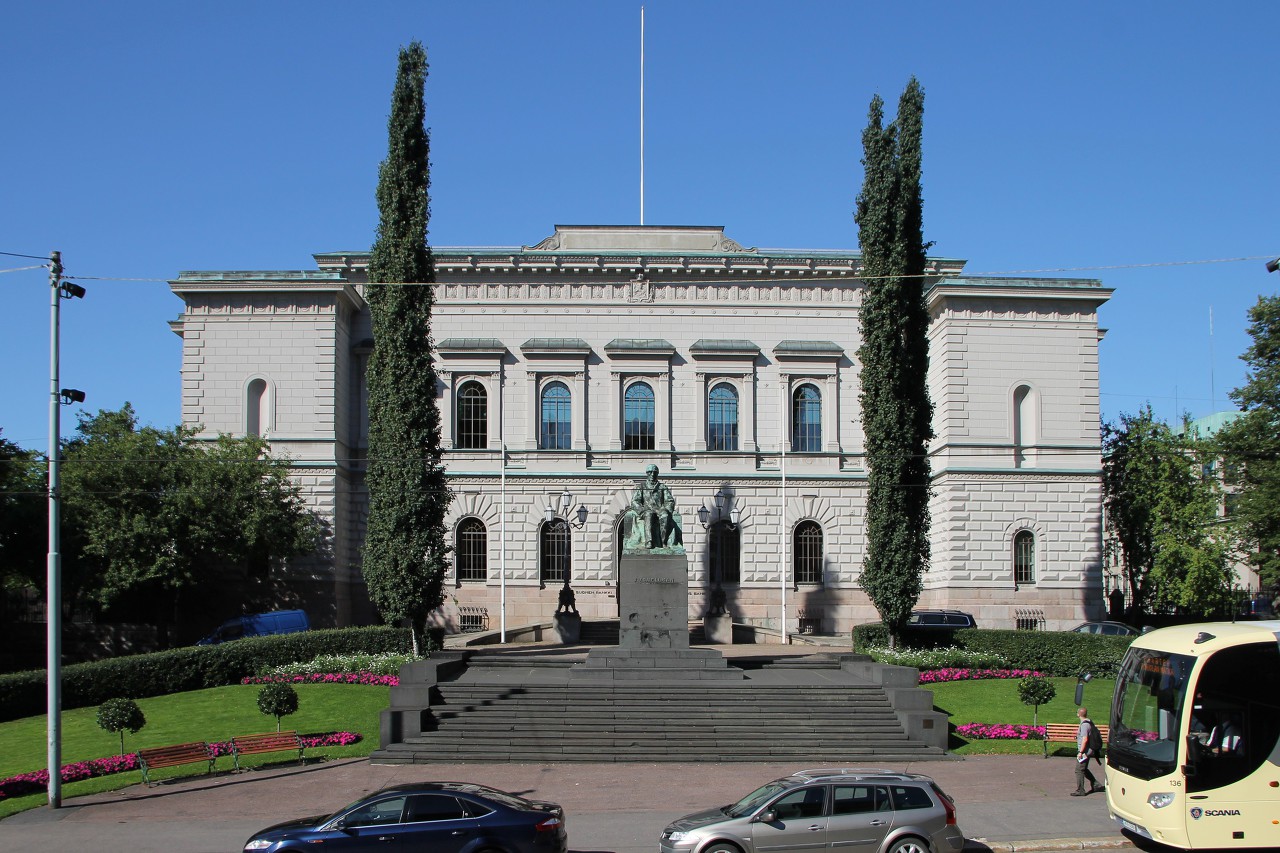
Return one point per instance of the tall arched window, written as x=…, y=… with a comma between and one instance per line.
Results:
x=553, y=551
x=473, y=417
x=806, y=553
x=806, y=420
x=722, y=417
x=638, y=417
x=1024, y=557
x=257, y=415
x=471, y=551
x=1024, y=424
x=726, y=553
x=556, y=431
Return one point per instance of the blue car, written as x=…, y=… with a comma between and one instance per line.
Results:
x=440, y=817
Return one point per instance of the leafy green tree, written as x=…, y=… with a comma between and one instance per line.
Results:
x=278, y=699
x=23, y=512
x=1162, y=513
x=896, y=410
x=405, y=548
x=154, y=515
x=1251, y=444
x=116, y=715
x=1036, y=690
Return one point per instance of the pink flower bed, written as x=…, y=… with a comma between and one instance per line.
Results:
x=935, y=676
x=37, y=781
x=1005, y=731
x=326, y=678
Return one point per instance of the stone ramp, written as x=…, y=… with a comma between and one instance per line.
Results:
x=530, y=708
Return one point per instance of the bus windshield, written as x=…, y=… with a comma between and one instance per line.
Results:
x=1150, y=692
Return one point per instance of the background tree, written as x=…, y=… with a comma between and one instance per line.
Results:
x=405, y=547
x=23, y=512
x=153, y=515
x=1162, y=512
x=896, y=410
x=1251, y=444
x=278, y=699
x=116, y=715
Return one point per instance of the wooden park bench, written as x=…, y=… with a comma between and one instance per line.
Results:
x=172, y=756
x=269, y=742
x=1066, y=733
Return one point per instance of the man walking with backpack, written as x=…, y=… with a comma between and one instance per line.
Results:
x=1088, y=745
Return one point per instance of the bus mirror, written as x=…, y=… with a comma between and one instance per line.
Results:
x=1195, y=752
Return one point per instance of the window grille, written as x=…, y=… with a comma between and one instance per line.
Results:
x=807, y=553
x=638, y=418
x=557, y=418
x=472, y=618
x=1024, y=557
x=471, y=551
x=473, y=417
x=554, y=558
x=726, y=553
x=722, y=418
x=1028, y=619
x=806, y=420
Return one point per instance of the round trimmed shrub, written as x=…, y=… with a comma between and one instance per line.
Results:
x=278, y=699
x=116, y=715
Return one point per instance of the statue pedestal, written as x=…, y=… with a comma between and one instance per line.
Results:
x=568, y=627
x=653, y=601
x=653, y=628
x=718, y=628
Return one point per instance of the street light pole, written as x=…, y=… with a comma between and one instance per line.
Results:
x=53, y=608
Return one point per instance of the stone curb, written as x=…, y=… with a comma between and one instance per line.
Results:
x=1045, y=845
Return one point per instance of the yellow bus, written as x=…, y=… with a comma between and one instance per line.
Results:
x=1193, y=759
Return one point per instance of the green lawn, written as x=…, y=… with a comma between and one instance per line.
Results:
x=208, y=715
x=996, y=701
x=223, y=712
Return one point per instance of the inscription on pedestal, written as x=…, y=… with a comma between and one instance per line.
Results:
x=653, y=596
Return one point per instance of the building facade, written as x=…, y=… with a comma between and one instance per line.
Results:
x=567, y=367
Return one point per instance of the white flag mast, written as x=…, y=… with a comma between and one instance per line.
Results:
x=641, y=115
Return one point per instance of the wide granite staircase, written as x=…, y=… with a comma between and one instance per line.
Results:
x=529, y=708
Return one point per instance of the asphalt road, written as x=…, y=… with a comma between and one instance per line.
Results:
x=1004, y=802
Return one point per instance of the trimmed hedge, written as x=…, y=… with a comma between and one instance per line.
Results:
x=1063, y=654
x=23, y=694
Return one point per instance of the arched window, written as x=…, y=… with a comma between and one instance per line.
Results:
x=557, y=427
x=553, y=551
x=257, y=418
x=807, y=553
x=722, y=418
x=638, y=417
x=1024, y=557
x=806, y=420
x=726, y=553
x=471, y=551
x=473, y=417
x=1024, y=424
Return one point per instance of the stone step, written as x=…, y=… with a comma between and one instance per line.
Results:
x=818, y=754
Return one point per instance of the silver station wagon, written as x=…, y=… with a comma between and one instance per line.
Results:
x=853, y=809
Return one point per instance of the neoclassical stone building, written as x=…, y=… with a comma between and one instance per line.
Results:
x=567, y=367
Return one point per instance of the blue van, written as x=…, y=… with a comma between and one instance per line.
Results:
x=257, y=625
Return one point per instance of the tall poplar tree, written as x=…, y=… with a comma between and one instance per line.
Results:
x=896, y=410
x=405, y=547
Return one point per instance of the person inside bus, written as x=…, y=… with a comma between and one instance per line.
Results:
x=1088, y=745
x=1227, y=739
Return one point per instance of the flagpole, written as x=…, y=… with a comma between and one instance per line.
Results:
x=642, y=115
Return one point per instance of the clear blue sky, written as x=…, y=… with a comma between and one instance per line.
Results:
x=142, y=139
